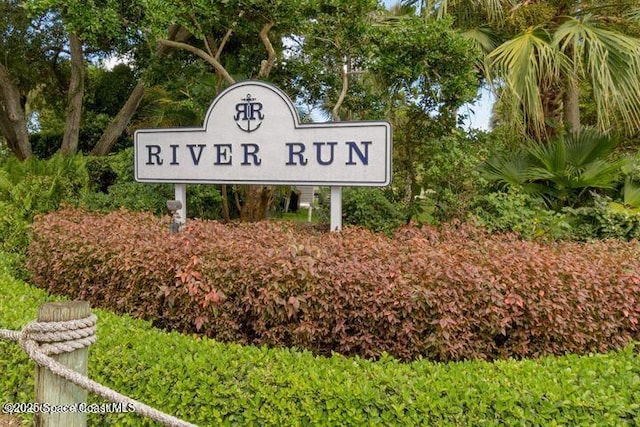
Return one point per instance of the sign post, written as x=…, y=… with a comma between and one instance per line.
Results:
x=336, y=208
x=181, y=195
x=252, y=135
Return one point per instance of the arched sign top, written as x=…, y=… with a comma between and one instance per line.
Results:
x=250, y=102
x=252, y=134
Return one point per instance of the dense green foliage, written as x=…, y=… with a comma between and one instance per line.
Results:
x=113, y=187
x=107, y=91
x=514, y=211
x=369, y=208
x=209, y=383
x=38, y=186
x=444, y=294
x=450, y=180
x=449, y=184
x=563, y=171
x=14, y=229
x=349, y=59
x=32, y=187
x=577, y=186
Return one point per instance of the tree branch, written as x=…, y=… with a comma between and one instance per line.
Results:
x=267, y=65
x=176, y=33
x=224, y=41
x=217, y=66
x=120, y=121
x=343, y=93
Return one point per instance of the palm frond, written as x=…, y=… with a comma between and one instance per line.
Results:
x=587, y=146
x=526, y=63
x=496, y=9
x=483, y=37
x=599, y=174
x=507, y=170
x=160, y=109
x=551, y=159
x=610, y=60
x=561, y=171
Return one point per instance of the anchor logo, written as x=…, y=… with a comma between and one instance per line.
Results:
x=248, y=112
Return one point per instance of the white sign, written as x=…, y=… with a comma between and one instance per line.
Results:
x=252, y=135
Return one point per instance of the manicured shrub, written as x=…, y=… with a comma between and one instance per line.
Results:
x=499, y=296
x=209, y=383
x=445, y=294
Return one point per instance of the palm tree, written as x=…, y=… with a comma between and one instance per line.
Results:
x=540, y=52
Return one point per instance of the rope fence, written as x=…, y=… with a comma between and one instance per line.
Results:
x=41, y=340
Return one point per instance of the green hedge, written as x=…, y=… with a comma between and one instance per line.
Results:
x=209, y=383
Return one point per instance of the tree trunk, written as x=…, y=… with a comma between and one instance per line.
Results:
x=120, y=121
x=226, y=216
x=571, y=106
x=13, y=123
x=551, y=98
x=256, y=202
x=76, y=94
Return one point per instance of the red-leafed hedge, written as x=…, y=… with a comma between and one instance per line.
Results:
x=445, y=294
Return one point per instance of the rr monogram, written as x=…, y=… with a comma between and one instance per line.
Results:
x=247, y=112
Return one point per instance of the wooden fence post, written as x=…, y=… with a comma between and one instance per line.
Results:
x=50, y=388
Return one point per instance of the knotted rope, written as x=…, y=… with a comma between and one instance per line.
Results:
x=42, y=339
x=62, y=337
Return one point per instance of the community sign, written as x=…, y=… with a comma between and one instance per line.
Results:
x=252, y=135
